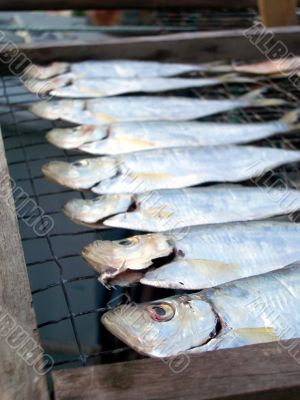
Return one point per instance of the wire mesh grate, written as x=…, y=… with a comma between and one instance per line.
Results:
x=67, y=297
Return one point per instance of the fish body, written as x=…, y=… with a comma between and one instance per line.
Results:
x=167, y=168
x=178, y=208
x=128, y=137
x=254, y=310
x=203, y=256
x=68, y=85
x=143, y=108
x=113, y=69
x=270, y=67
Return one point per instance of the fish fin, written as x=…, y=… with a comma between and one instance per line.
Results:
x=257, y=335
x=211, y=263
x=240, y=337
x=291, y=118
x=214, y=65
x=156, y=176
x=224, y=68
x=235, y=78
x=192, y=274
x=254, y=99
x=105, y=118
x=135, y=141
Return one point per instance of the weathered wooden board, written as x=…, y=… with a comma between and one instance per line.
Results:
x=262, y=372
x=121, y=4
x=278, y=13
x=180, y=47
x=18, y=380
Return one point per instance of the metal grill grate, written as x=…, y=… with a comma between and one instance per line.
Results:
x=67, y=296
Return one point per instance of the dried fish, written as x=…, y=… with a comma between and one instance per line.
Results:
x=167, y=168
x=144, y=108
x=69, y=86
x=199, y=257
x=127, y=137
x=113, y=69
x=254, y=310
x=164, y=210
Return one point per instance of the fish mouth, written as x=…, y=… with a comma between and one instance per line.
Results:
x=122, y=331
x=61, y=138
x=49, y=170
x=107, y=272
x=100, y=223
x=53, y=172
x=94, y=225
x=122, y=275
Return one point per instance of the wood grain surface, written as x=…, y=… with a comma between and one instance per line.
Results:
x=261, y=372
x=18, y=380
x=179, y=47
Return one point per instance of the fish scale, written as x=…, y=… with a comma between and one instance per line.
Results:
x=265, y=304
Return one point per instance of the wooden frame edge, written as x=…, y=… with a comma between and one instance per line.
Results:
x=119, y=4
x=184, y=47
x=260, y=372
x=19, y=380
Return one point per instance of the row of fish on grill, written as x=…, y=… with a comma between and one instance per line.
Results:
x=149, y=153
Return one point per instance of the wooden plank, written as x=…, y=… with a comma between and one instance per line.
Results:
x=18, y=380
x=278, y=13
x=260, y=372
x=120, y=4
x=189, y=47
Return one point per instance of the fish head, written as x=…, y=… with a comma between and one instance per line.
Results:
x=45, y=72
x=94, y=211
x=110, y=258
x=53, y=109
x=72, y=138
x=41, y=87
x=81, y=174
x=163, y=328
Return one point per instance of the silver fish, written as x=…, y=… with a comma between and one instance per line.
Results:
x=178, y=208
x=113, y=69
x=69, y=86
x=254, y=310
x=202, y=256
x=167, y=168
x=127, y=137
x=144, y=108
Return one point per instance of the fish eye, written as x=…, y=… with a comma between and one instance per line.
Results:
x=81, y=163
x=129, y=242
x=161, y=312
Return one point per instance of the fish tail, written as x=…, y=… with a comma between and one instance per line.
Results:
x=254, y=99
x=291, y=119
x=235, y=78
